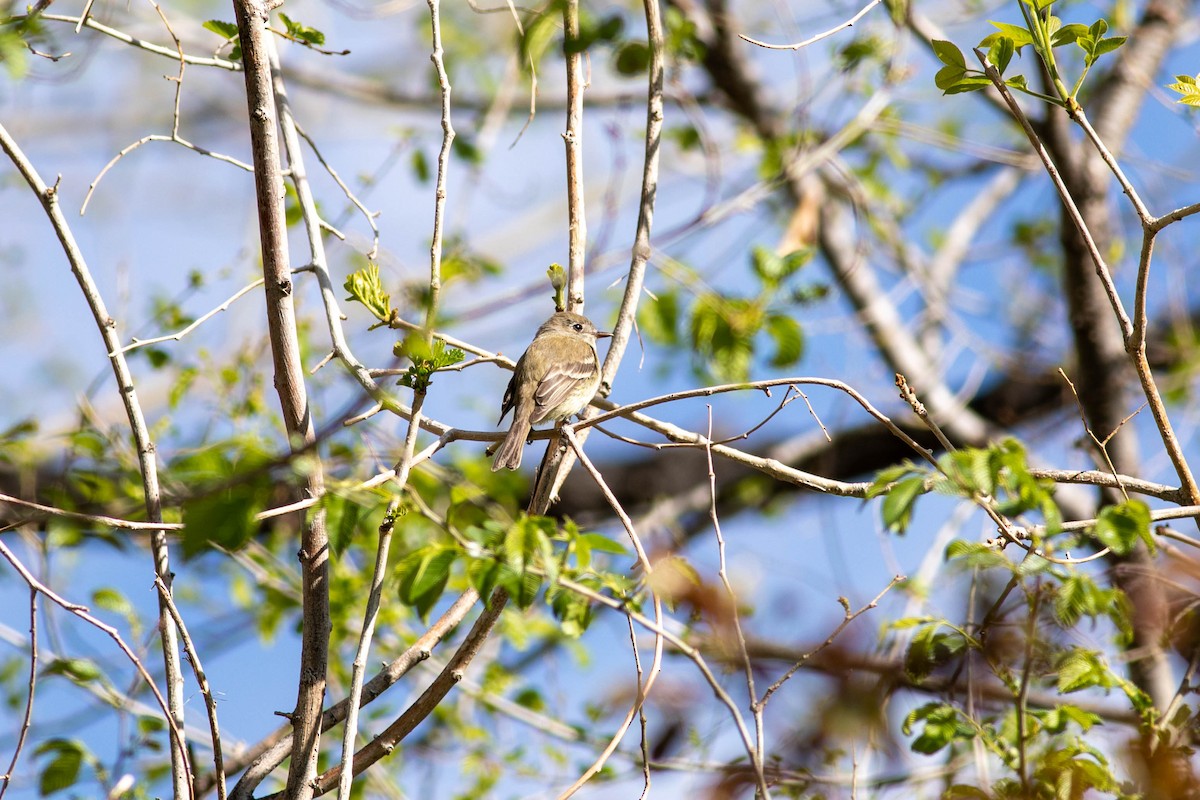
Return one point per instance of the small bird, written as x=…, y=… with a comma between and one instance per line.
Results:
x=556, y=377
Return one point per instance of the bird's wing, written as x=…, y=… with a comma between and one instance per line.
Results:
x=560, y=381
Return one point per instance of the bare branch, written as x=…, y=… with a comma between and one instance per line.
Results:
x=573, y=137
x=147, y=460
x=6, y=778
x=210, y=704
x=82, y=612
x=257, y=47
x=813, y=39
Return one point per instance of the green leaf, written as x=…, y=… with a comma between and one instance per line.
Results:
x=941, y=727
x=226, y=30
x=302, y=32
x=1097, y=29
x=465, y=148
x=224, y=519
x=930, y=648
x=898, y=505
x=420, y=165
x=1082, y=669
x=63, y=770
x=572, y=610
x=1056, y=719
x=971, y=83
x=1019, y=35
x=632, y=58
x=422, y=576
x=538, y=34
x=593, y=30
x=947, y=77
x=722, y=333
x=365, y=287
x=886, y=477
x=426, y=357
x=949, y=54
x=111, y=600
x=605, y=544
x=1001, y=52
x=1068, y=34
x=78, y=670
x=1121, y=527
x=527, y=543
x=772, y=269
x=659, y=318
x=978, y=554
x=1105, y=46
x=789, y=340
x=485, y=574
x=342, y=515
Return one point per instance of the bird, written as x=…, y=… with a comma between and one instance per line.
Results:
x=554, y=379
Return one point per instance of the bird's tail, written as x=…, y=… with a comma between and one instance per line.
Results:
x=508, y=455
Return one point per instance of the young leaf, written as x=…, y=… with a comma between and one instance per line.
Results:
x=887, y=477
x=789, y=340
x=423, y=575
x=228, y=30
x=365, y=286
x=1068, y=34
x=302, y=32
x=63, y=770
x=942, y=726
x=948, y=76
x=949, y=54
x=898, y=505
x=1121, y=527
x=1020, y=36
x=1001, y=52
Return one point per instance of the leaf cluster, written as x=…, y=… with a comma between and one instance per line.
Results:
x=1042, y=31
x=523, y=558
x=723, y=330
x=427, y=358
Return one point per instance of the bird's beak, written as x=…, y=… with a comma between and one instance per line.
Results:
x=603, y=334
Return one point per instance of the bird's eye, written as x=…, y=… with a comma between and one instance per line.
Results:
x=577, y=326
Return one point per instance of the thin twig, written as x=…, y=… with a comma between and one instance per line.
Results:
x=222, y=63
x=1101, y=446
x=210, y=703
x=157, y=137
x=694, y=655
x=756, y=708
x=439, y=206
x=350, y=195
x=175, y=337
x=648, y=569
x=6, y=778
x=82, y=612
x=846, y=620
x=370, y=615
x=386, y=742
x=275, y=748
x=146, y=451
x=823, y=35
